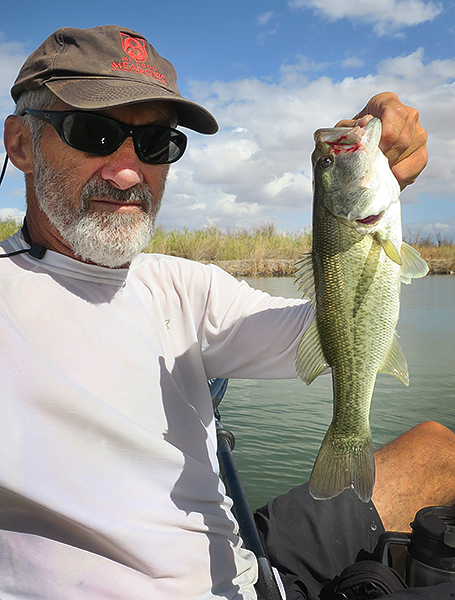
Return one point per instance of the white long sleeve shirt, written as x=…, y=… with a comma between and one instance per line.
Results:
x=109, y=484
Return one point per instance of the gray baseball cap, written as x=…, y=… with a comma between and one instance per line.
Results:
x=107, y=66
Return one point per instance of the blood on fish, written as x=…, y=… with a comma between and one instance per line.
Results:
x=338, y=147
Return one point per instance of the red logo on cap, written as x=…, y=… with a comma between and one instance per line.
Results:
x=136, y=58
x=134, y=47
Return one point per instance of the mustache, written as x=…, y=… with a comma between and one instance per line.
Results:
x=99, y=188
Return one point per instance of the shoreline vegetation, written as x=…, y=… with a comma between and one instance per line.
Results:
x=263, y=251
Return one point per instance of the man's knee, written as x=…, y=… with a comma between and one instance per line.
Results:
x=421, y=437
x=431, y=432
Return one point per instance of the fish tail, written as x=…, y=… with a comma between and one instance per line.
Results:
x=343, y=464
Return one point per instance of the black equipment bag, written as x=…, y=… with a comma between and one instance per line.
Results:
x=364, y=580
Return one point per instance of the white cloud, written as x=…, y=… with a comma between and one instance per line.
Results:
x=12, y=56
x=229, y=206
x=386, y=16
x=11, y=213
x=443, y=231
x=352, y=62
x=257, y=168
x=264, y=18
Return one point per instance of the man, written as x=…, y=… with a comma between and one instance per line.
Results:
x=109, y=482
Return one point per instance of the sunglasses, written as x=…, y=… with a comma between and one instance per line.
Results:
x=94, y=134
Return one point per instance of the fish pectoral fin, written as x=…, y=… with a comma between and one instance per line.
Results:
x=395, y=363
x=343, y=464
x=413, y=264
x=305, y=277
x=309, y=359
x=389, y=248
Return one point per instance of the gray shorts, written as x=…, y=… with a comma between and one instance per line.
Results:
x=311, y=541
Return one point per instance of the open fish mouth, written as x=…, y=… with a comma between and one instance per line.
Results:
x=371, y=220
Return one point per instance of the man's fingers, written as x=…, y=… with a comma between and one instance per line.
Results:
x=403, y=139
x=354, y=122
x=406, y=171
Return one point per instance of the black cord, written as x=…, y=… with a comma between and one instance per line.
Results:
x=5, y=163
x=14, y=253
x=35, y=250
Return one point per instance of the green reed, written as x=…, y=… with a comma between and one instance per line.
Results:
x=8, y=227
x=211, y=244
x=263, y=242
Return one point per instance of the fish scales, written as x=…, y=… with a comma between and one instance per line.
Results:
x=353, y=277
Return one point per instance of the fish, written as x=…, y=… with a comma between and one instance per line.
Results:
x=353, y=276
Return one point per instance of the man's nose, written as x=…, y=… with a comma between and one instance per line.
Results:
x=122, y=168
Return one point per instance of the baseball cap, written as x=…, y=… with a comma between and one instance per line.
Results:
x=104, y=67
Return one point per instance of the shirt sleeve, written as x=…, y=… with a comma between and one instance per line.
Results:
x=250, y=334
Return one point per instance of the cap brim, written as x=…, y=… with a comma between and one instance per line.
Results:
x=98, y=93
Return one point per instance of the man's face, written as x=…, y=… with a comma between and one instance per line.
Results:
x=103, y=209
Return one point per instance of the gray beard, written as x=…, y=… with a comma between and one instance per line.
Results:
x=107, y=239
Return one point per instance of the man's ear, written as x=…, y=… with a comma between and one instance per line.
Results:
x=18, y=143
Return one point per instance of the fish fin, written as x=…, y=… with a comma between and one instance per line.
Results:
x=395, y=363
x=343, y=464
x=305, y=277
x=389, y=248
x=309, y=359
x=413, y=264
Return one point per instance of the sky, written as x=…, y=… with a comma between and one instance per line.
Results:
x=272, y=72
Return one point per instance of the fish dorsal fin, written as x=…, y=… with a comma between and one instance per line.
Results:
x=305, y=278
x=389, y=248
x=395, y=363
x=309, y=359
x=413, y=264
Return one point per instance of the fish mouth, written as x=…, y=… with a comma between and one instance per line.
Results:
x=370, y=220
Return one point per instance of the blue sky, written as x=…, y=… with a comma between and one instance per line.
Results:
x=272, y=71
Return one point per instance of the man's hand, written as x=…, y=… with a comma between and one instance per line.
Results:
x=403, y=140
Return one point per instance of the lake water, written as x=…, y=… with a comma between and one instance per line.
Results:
x=279, y=424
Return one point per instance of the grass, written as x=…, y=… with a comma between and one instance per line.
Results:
x=212, y=245
x=445, y=251
x=440, y=248
x=8, y=227
x=259, y=243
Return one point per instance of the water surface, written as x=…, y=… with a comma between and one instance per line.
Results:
x=279, y=424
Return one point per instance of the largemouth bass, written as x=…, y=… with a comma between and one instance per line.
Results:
x=353, y=278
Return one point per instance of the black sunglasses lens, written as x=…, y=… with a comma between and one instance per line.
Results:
x=160, y=145
x=95, y=134
x=91, y=133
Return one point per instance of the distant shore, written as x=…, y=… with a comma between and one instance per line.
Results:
x=270, y=253
x=286, y=268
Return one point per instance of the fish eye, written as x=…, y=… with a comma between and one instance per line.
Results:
x=325, y=162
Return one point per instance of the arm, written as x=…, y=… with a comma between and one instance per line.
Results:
x=403, y=139
x=249, y=334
